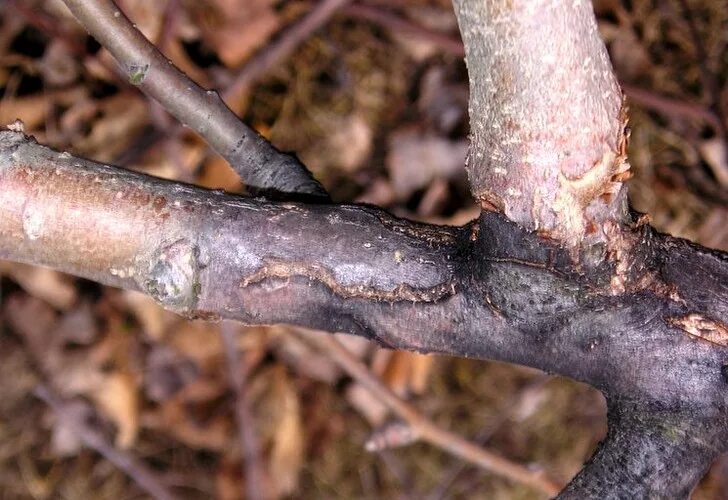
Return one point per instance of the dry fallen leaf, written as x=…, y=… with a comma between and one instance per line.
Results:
x=415, y=159
x=715, y=153
x=118, y=399
x=234, y=29
x=51, y=286
x=286, y=456
x=153, y=318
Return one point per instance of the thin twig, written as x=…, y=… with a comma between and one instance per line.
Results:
x=425, y=428
x=279, y=50
x=136, y=470
x=671, y=107
x=398, y=24
x=449, y=477
x=253, y=157
x=707, y=77
x=238, y=373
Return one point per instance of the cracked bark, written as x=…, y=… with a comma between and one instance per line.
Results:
x=556, y=273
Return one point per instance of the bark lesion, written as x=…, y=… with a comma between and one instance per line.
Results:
x=702, y=327
x=277, y=269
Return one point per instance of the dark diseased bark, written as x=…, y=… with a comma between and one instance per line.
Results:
x=488, y=290
x=646, y=455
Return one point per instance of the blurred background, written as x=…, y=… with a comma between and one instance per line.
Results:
x=373, y=98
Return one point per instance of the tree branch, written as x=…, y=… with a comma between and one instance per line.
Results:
x=259, y=164
x=512, y=294
x=562, y=280
x=645, y=456
x=548, y=139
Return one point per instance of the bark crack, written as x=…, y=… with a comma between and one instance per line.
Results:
x=276, y=269
x=699, y=326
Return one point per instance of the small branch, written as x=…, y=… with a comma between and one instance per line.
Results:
x=711, y=85
x=284, y=46
x=136, y=470
x=425, y=428
x=259, y=164
x=671, y=107
x=238, y=373
x=398, y=24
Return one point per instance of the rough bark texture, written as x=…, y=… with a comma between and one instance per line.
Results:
x=546, y=116
x=260, y=164
x=488, y=290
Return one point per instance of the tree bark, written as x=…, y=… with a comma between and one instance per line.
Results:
x=489, y=290
x=554, y=274
x=547, y=117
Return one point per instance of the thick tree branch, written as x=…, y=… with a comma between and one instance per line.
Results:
x=487, y=290
x=562, y=279
x=259, y=164
x=546, y=114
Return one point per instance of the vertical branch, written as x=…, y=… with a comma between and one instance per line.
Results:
x=259, y=164
x=547, y=122
x=645, y=455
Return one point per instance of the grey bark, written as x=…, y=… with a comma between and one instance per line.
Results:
x=546, y=116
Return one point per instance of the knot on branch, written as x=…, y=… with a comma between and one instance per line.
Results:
x=173, y=276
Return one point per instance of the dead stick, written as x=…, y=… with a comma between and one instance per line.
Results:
x=425, y=428
x=133, y=468
x=238, y=373
x=279, y=50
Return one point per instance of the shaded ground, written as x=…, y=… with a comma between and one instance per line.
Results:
x=380, y=116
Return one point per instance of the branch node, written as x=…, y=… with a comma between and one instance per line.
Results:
x=173, y=276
